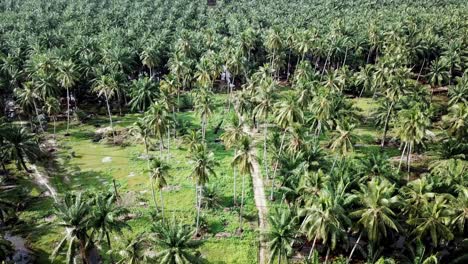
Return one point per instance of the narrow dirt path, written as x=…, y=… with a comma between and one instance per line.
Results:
x=260, y=202
x=43, y=180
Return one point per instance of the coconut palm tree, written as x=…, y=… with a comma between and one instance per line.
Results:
x=412, y=127
x=457, y=121
x=325, y=219
x=376, y=216
x=233, y=133
x=143, y=92
x=438, y=72
x=159, y=172
x=175, y=241
x=67, y=75
x=460, y=209
x=433, y=220
x=158, y=118
x=73, y=214
x=142, y=131
x=204, y=164
x=265, y=103
x=281, y=233
x=106, y=218
x=107, y=87
x=287, y=112
x=244, y=159
x=150, y=57
x=28, y=98
x=204, y=107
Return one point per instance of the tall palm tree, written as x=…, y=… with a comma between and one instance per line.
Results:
x=106, y=86
x=244, y=159
x=74, y=215
x=142, y=131
x=28, y=98
x=159, y=120
x=204, y=107
x=175, y=241
x=67, y=75
x=281, y=233
x=265, y=104
x=287, y=112
x=204, y=163
x=159, y=172
x=233, y=133
x=412, y=126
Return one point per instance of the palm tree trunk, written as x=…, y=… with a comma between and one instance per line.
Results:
x=154, y=196
x=203, y=127
x=328, y=253
x=55, y=124
x=161, y=148
x=235, y=181
x=162, y=202
x=409, y=159
x=345, y=56
x=354, y=248
x=68, y=109
x=387, y=119
x=110, y=247
x=312, y=248
x=402, y=154
x=168, y=142
x=265, y=135
x=21, y=158
x=276, y=166
x=37, y=115
x=289, y=65
x=199, y=191
x=110, y=115
x=242, y=201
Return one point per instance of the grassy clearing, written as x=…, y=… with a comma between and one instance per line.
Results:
x=82, y=167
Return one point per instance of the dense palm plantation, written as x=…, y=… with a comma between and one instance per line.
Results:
x=319, y=131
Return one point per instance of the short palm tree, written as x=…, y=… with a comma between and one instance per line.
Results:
x=281, y=234
x=74, y=215
x=106, y=218
x=158, y=118
x=175, y=241
x=159, y=172
x=135, y=250
x=433, y=219
x=20, y=145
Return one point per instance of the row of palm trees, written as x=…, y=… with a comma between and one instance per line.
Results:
x=92, y=220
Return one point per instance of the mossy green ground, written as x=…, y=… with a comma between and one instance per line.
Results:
x=81, y=168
